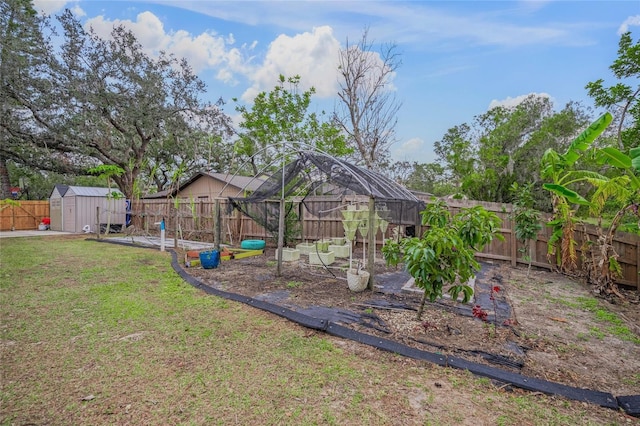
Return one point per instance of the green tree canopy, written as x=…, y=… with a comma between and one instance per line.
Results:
x=22, y=65
x=100, y=101
x=282, y=116
x=623, y=98
x=503, y=146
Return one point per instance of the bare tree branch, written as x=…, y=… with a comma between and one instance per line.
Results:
x=368, y=107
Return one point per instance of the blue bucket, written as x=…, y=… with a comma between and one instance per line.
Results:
x=210, y=259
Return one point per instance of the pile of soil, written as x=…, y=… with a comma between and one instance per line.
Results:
x=540, y=324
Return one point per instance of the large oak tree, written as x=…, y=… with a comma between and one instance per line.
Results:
x=98, y=101
x=22, y=56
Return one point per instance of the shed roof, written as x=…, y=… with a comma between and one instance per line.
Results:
x=61, y=188
x=86, y=191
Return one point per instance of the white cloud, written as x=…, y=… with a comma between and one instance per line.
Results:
x=148, y=29
x=410, y=149
x=311, y=55
x=49, y=7
x=630, y=21
x=52, y=7
x=77, y=11
x=207, y=50
x=512, y=102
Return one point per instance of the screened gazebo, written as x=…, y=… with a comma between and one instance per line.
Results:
x=317, y=174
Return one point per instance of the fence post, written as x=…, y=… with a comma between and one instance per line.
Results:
x=238, y=215
x=216, y=225
x=372, y=241
x=175, y=229
x=97, y=222
x=145, y=218
x=514, y=245
x=302, y=219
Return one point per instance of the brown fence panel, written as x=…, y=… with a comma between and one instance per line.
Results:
x=626, y=246
x=195, y=220
x=25, y=215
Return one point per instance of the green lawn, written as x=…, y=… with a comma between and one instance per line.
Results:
x=96, y=333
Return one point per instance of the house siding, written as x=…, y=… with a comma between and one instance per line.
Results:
x=206, y=188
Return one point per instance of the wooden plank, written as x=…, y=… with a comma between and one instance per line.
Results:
x=27, y=215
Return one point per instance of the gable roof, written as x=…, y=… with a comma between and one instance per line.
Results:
x=243, y=182
x=90, y=191
x=61, y=188
x=84, y=191
x=240, y=182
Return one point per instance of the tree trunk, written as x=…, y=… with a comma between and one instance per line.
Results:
x=421, y=308
x=5, y=183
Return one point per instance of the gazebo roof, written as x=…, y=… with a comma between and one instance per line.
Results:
x=313, y=173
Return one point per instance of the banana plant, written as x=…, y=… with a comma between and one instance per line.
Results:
x=559, y=169
x=602, y=265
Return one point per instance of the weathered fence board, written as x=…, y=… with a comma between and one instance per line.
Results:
x=195, y=220
x=25, y=215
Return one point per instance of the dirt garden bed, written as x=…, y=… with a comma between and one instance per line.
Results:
x=547, y=326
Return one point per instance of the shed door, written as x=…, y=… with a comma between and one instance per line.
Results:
x=55, y=213
x=69, y=214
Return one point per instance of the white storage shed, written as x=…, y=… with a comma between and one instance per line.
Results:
x=74, y=208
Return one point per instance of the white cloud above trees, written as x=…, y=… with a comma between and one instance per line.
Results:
x=409, y=149
x=512, y=102
x=630, y=21
x=312, y=55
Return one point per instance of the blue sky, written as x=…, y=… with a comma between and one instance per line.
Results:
x=459, y=58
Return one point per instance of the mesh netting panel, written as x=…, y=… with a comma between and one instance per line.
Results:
x=265, y=212
x=318, y=174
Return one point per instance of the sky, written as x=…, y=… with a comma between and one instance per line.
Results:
x=459, y=58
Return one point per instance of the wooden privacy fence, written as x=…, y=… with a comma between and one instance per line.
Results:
x=194, y=220
x=626, y=245
x=22, y=215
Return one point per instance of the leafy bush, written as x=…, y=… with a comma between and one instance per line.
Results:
x=445, y=253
